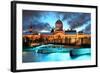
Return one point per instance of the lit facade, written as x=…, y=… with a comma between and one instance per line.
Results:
x=58, y=36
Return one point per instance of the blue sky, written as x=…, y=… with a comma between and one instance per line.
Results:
x=45, y=20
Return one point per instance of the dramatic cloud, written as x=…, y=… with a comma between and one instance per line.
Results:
x=45, y=20
x=33, y=18
x=75, y=20
x=87, y=29
x=79, y=21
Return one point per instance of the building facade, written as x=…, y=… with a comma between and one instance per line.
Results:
x=59, y=36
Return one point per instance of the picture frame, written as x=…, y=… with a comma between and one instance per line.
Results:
x=37, y=16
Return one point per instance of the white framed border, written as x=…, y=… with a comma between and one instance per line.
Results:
x=40, y=65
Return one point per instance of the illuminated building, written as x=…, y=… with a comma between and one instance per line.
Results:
x=59, y=25
x=59, y=36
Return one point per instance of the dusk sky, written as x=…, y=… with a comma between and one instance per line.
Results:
x=45, y=20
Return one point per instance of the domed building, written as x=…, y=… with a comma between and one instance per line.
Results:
x=58, y=25
x=59, y=36
x=58, y=28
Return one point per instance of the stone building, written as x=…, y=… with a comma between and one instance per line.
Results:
x=60, y=36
